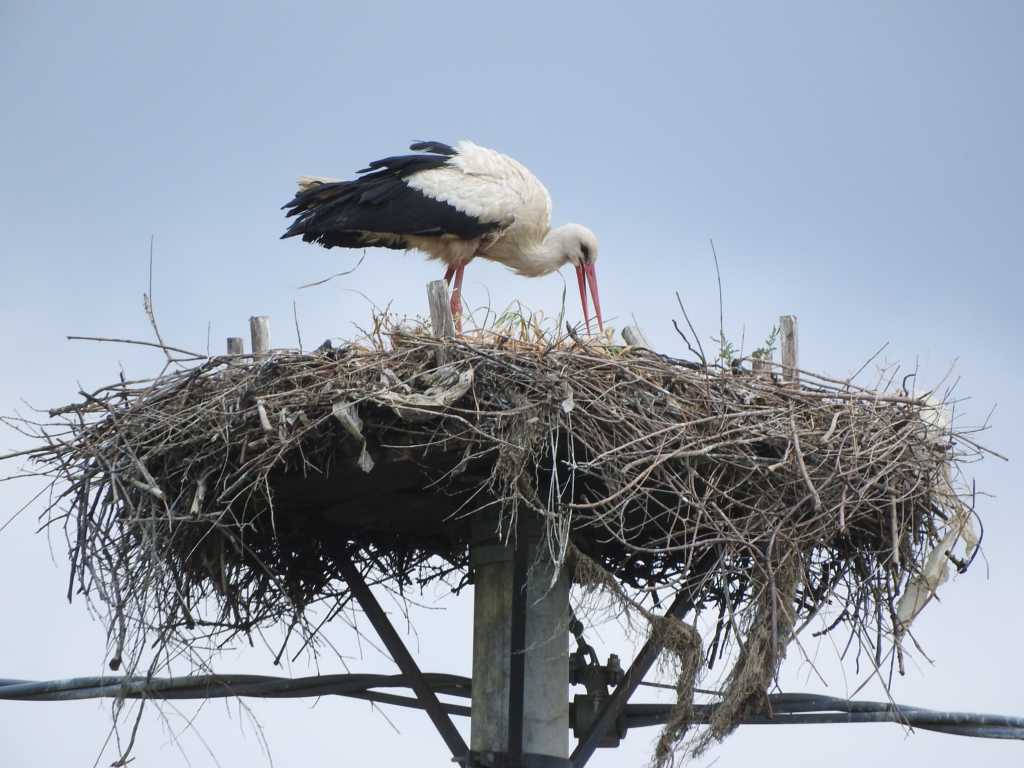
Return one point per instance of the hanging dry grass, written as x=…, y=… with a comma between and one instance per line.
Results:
x=215, y=500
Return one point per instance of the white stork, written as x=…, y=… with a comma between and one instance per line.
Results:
x=454, y=204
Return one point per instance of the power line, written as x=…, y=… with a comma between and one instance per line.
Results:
x=786, y=708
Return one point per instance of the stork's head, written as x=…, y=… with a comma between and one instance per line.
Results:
x=579, y=248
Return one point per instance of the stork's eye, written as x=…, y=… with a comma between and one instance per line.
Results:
x=586, y=252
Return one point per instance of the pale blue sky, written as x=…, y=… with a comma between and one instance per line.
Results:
x=857, y=164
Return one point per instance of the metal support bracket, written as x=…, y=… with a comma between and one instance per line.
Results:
x=615, y=703
x=584, y=669
x=393, y=642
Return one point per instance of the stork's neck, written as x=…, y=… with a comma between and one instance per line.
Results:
x=547, y=256
x=529, y=257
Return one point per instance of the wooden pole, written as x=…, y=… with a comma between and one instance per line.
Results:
x=440, y=309
x=441, y=320
x=635, y=337
x=790, y=349
x=519, y=696
x=235, y=345
x=259, y=329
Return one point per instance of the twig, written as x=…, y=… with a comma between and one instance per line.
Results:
x=700, y=350
x=161, y=345
x=721, y=306
x=298, y=332
x=803, y=465
x=868, y=362
x=147, y=303
x=336, y=274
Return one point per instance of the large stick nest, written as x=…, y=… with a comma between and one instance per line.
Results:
x=217, y=499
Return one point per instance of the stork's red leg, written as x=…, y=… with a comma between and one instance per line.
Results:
x=456, y=302
x=448, y=274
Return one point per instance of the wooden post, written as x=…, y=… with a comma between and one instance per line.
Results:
x=790, y=349
x=635, y=337
x=440, y=309
x=235, y=345
x=759, y=367
x=259, y=329
x=441, y=320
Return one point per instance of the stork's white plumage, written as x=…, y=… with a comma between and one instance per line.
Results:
x=454, y=204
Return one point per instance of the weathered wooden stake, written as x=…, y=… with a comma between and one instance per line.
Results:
x=259, y=329
x=235, y=345
x=790, y=349
x=760, y=368
x=441, y=319
x=440, y=309
x=635, y=337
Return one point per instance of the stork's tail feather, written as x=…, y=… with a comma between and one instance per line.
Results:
x=336, y=214
x=308, y=182
x=315, y=194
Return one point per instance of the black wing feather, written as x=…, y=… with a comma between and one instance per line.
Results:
x=432, y=146
x=379, y=208
x=403, y=165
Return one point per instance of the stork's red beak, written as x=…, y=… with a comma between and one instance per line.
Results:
x=586, y=275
